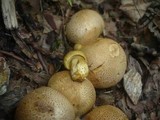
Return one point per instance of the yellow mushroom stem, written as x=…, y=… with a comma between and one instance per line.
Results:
x=77, y=46
x=76, y=62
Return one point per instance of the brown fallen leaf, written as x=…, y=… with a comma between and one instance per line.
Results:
x=151, y=87
x=54, y=21
x=110, y=27
x=134, y=63
x=46, y=27
x=122, y=103
x=105, y=99
x=138, y=108
x=135, y=9
x=133, y=85
x=35, y=6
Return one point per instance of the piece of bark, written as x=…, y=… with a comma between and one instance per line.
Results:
x=9, y=14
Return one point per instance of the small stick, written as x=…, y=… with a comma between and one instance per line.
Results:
x=42, y=62
x=16, y=57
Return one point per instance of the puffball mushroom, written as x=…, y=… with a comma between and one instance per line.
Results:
x=84, y=27
x=45, y=103
x=107, y=62
x=106, y=112
x=81, y=94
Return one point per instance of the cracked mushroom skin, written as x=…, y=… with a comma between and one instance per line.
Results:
x=81, y=94
x=44, y=103
x=84, y=27
x=106, y=112
x=106, y=61
x=76, y=62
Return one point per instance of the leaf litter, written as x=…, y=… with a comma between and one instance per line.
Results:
x=35, y=51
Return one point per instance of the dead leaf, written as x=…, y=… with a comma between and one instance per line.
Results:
x=4, y=76
x=123, y=105
x=133, y=63
x=110, y=27
x=151, y=87
x=8, y=101
x=138, y=109
x=46, y=27
x=53, y=20
x=35, y=6
x=145, y=63
x=40, y=78
x=134, y=9
x=154, y=27
x=105, y=99
x=133, y=85
x=25, y=48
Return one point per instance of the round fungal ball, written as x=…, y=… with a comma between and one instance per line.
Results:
x=44, y=104
x=81, y=94
x=106, y=112
x=84, y=27
x=107, y=62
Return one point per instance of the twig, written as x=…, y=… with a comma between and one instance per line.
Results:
x=42, y=62
x=16, y=57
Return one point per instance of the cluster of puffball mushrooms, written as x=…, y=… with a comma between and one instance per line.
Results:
x=94, y=63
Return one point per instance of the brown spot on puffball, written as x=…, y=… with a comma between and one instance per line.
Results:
x=107, y=62
x=44, y=104
x=106, y=112
x=81, y=94
x=84, y=27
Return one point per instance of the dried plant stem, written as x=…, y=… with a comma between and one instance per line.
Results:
x=15, y=57
x=9, y=14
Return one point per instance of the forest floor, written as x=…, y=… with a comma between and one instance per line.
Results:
x=34, y=51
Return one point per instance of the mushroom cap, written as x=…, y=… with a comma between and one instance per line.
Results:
x=84, y=26
x=76, y=62
x=81, y=94
x=106, y=112
x=44, y=104
x=107, y=62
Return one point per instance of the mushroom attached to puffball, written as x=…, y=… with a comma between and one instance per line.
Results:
x=106, y=61
x=45, y=103
x=84, y=27
x=76, y=62
x=81, y=94
x=106, y=112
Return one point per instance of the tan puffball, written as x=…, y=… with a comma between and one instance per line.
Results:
x=107, y=62
x=44, y=104
x=84, y=26
x=106, y=112
x=81, y=94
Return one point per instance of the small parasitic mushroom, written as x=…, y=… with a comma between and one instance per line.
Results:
x=84, y=27
x=106, y=112
x=76, y=62
x=107, y=62
x=45, y=104
x=81, y=94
